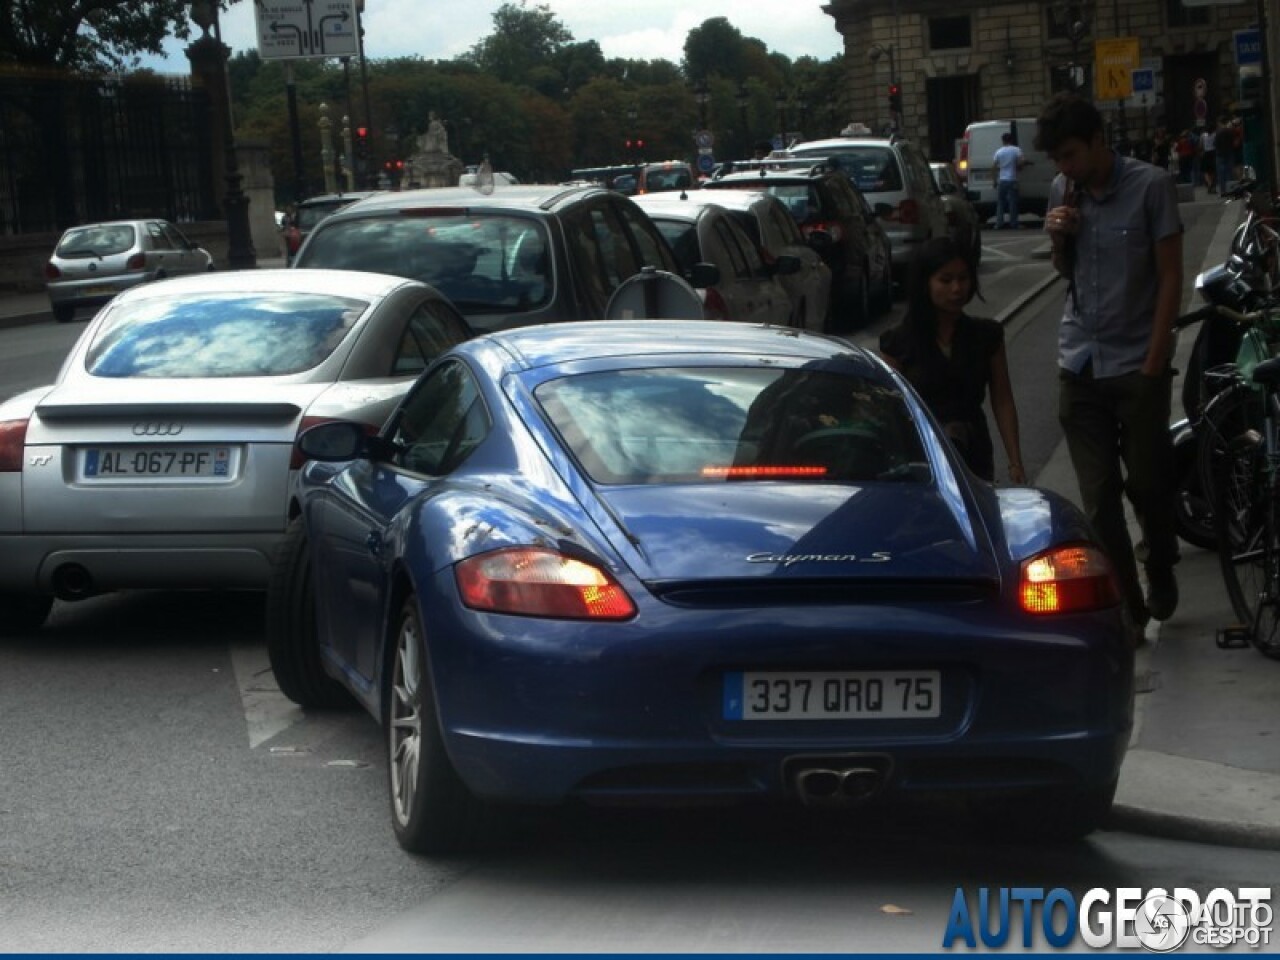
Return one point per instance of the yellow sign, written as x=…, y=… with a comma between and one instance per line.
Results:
x=1116, y=60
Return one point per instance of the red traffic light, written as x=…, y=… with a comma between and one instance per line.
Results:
x=894, y=89
x=362, y=133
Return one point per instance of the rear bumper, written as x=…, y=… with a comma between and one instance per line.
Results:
x=30, y=563
x=541, y=711
x=92, y=292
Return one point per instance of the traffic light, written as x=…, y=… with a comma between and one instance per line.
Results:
x=362, y=141
x=895, y=98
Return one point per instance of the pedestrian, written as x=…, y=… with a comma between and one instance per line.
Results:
x=1224, y=150
x=1208, y=160
x=1006, y=163
x=952, y=358
x=1117, y=238
x=1186, y=149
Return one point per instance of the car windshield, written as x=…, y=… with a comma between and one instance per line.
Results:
x=484, y=263
x=99, y=240
x=718, y=424
x=222, y=335
x=872, y=169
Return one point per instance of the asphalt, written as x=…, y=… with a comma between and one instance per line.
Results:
x=1204, y=759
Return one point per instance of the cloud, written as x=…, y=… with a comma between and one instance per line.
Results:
x=655, y=29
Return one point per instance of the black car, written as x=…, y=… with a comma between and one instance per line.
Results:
x=836, y=221
x=517, y=256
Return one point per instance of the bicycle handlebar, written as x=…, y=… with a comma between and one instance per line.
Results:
x=1214, y=309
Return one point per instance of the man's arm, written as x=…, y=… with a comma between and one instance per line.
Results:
x=1168, y=300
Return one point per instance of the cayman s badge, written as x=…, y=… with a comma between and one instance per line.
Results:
x=156, y=428
x=789, y=559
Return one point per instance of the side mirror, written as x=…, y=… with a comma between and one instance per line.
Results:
x=333, y=442
x=704, y=275
x=786, y=264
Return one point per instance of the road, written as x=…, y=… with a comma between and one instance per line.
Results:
x=157, y=794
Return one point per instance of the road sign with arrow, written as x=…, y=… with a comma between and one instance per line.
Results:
x=292, y=29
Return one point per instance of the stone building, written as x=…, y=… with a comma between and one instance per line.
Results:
x=958, y=61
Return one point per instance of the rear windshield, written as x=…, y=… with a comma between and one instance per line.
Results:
x=99, y=240
x=229, y=335
x=682, y=235
x=718, y=424
x=490, y=263
x=660, y=180
x=873, y=169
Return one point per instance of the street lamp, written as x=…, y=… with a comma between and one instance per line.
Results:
x=235, y=205
x=1069, y=18
x=700, y=97
x=743, y=101
x=632, y=145
x=874, y=53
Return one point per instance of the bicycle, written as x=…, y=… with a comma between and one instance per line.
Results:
x=1240, y=468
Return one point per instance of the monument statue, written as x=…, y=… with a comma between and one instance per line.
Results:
x=432, y=165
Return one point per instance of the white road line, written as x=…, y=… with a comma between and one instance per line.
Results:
x=267, y=711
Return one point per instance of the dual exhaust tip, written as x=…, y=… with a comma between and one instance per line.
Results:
x=842, y=783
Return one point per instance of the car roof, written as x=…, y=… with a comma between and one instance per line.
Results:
x=544, y=344
x=327, y=198
x=813, y=146
x=534, y=196
x=349, y=283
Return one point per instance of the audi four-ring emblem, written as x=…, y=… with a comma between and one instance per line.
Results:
x=156, y=429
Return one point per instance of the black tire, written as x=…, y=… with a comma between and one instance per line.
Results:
x=1231, y=466
x=292, y=644
x=1059, y=815
x=63, y=314
x=22, y=614
x=1265, y=632
x=432, y=810
x=1193, y=513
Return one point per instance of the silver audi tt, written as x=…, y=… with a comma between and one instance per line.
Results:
x=163, y=455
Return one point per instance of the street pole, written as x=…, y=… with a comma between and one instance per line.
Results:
x=240, y=252
x=295, y=132
x=1122, y=125
x=364, y=84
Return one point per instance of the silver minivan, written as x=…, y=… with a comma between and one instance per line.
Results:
x=977, y=152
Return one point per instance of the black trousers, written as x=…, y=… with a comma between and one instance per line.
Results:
x=1117, y=432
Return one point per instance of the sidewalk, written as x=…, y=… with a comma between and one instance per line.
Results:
x=1204, y=760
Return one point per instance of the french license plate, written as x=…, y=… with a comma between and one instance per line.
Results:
x=100, y=291
x=185, y=462
x=833, y=695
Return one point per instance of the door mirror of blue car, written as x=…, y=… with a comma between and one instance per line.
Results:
x=334, y=441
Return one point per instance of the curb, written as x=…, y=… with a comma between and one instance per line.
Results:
x=1190, y=829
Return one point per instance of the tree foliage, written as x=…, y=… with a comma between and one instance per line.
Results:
x=88, y=36
x=523, y=39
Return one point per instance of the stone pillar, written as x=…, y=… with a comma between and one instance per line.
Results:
x=205, y=54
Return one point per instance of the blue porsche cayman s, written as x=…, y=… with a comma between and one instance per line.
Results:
x=679, y=561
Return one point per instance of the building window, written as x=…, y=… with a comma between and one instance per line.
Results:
x=949, y=33
x=1180, y=16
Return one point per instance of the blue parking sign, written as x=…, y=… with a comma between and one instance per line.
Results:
x=1248, y=47
x=1144, y=81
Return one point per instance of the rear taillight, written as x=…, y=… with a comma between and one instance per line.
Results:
x=713, y=305
x=51, y=272
x=297, y=458
x=1072, y=579
x=908, y=212
x=13, y=437
x=136, y=262
x=962, y=164
x=829, y=226
x=536, y=582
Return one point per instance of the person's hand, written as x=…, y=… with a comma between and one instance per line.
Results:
x=1017, y=473
x=1062, y=221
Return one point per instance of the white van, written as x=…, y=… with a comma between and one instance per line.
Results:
x=978, y=148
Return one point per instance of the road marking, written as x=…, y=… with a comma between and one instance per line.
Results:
x=267, y=711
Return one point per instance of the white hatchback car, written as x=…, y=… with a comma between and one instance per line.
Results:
x=701, y=231
x=770, y=225
x=163, y=455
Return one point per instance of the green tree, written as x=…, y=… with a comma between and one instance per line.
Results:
x=714, y=49
x=90, y=36
x=523, y=39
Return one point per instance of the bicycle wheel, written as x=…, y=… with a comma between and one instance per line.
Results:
x=1233, y=468
x=1266, y=623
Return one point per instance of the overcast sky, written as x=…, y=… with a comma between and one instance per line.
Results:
x=648, y=30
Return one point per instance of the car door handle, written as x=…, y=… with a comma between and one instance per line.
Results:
x=373, y=542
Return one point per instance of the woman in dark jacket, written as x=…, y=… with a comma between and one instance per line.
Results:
x=952, y=358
